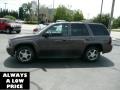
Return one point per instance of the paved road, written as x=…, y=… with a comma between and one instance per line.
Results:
x=67, y=74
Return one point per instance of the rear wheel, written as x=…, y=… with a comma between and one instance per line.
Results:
x=24, y=54
x=92, y=54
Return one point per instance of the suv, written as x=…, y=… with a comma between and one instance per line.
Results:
x=71, y=39
x=7, y=25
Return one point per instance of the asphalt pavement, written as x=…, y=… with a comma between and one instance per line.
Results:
x=66, y=74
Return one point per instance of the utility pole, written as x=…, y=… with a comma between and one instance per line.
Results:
x=53, y=10
x=38, y=11
x=101, y=9
x=5, y=5
x=111, y=16
x=53, y=3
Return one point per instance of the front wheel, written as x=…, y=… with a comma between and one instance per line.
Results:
x=18, y=31
x=24, y=54
x=9, y=30
x=92, y=54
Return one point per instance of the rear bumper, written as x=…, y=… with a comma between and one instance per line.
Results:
x=107, y=48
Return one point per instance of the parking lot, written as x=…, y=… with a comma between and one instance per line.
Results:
x=66, y=74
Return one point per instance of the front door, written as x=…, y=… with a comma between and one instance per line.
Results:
x=2, y=25
x=55, y=40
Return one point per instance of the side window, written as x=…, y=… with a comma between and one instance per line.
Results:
x=79, y=30
x=98, y=29
x=58, y=30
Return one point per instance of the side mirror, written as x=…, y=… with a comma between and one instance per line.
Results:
x=45, y=35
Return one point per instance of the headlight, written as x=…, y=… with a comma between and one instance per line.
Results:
x=12, y=25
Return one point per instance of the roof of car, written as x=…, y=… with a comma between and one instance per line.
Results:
x=80, y=22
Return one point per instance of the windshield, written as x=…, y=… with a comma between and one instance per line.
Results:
x=9, y=21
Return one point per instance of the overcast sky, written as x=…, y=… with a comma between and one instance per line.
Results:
x=90, y=8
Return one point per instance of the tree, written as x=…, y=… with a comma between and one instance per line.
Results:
x=78, y=16
x=116, y=23
x=61, y=13
x=21, y=13
x=4, y=12
x=69, y=15
x=104, y=19
x=27, y=10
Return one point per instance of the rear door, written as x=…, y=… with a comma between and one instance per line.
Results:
x=79, y=37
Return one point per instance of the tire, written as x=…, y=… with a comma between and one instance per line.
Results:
x=25, y=54
x=92, y=54
x=18, y=31
x=9, y=31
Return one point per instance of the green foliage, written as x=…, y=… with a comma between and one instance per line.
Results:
x=62, y=13
x=21, y=13
x=26, y=12
x=4, y=12
x=10, y=17
x=78, y=16
x=69, y=17
x=116, y=23
x=104, y=19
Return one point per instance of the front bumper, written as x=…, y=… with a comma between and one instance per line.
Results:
x=16, y=28
x=10, y=50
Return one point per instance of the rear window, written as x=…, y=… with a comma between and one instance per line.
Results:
x=98, y=29
x=79, y=30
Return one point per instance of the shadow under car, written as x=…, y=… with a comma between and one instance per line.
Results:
x=57, y=63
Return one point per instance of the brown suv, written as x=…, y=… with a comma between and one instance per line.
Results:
x=70, y=39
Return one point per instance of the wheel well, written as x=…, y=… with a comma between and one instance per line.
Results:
x=95, y=45
x=28, y=45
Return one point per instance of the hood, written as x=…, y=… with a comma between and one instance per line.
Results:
x=23, y=36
